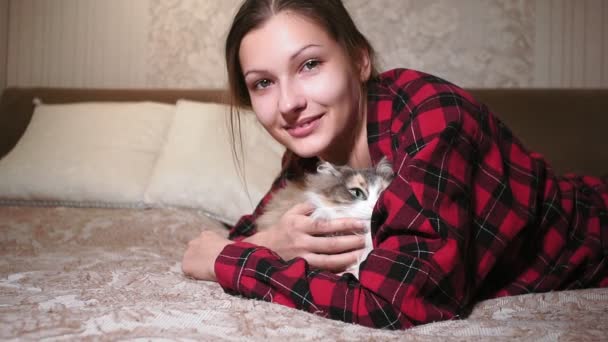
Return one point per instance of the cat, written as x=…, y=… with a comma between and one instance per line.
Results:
x=335, y=192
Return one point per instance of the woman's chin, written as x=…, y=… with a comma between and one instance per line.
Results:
x=305, y=154
x=306, y=150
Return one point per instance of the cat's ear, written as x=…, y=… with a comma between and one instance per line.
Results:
x=328, y=168
x=385, y=169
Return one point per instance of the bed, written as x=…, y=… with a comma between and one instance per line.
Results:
x=100, y=190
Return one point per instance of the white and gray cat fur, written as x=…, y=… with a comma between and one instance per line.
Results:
x=335, y=192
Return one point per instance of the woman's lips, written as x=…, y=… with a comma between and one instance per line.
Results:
x=305, y=127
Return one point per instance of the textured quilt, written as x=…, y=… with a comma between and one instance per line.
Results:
x=108, y=274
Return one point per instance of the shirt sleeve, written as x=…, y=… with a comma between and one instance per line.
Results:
x=422, y=268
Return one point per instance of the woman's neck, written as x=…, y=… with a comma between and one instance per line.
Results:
x=359, y=157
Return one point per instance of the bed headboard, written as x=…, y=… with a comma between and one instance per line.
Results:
x=568, y=126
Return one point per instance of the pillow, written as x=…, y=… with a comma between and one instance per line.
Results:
x=196, y=168
x=91, y=152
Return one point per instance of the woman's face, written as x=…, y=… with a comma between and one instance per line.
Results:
x=301, y=83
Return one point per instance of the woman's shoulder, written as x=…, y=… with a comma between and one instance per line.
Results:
x=404, y=76
x=400, y=98
x=415, y=86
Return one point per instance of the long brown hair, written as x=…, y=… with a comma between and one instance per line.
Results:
x=328, y=14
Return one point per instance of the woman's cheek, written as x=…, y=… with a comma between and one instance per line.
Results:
x=264, y=111
x=327, y=88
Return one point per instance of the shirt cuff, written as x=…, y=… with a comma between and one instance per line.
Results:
x=230, y=263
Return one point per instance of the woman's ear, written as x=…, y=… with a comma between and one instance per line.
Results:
x=364, y=65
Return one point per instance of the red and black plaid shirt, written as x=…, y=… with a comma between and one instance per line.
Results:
x=470, y=215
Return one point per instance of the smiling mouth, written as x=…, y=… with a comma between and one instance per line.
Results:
x=304, y=122
x=304, y=127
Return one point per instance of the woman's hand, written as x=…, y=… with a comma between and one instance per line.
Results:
x=199, y=258
x=328, y=245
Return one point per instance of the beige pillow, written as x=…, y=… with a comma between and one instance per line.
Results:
x=196, y=167
x=97, y=153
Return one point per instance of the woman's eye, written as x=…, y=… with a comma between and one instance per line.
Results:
x=261, y=84
x=310, y=64
x=357, y=193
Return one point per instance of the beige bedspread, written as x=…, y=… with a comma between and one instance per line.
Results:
x=78, y=274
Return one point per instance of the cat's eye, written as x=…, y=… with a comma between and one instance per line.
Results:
x=357, y=193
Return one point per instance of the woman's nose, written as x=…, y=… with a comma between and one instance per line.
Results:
x=291, y=100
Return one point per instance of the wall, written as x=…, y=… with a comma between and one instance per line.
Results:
x=179, y=43
x=469, y=43
x=78, y=43
x=571, y=45
x=3, y=42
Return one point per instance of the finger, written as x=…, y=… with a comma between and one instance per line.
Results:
x=338, y=226
x=333, y=263
x=336, y=244
x=301, y=209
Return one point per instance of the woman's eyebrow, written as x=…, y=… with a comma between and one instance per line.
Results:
x=291, y=58
x=302, y=50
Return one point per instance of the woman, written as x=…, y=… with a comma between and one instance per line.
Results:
x=470, y=215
